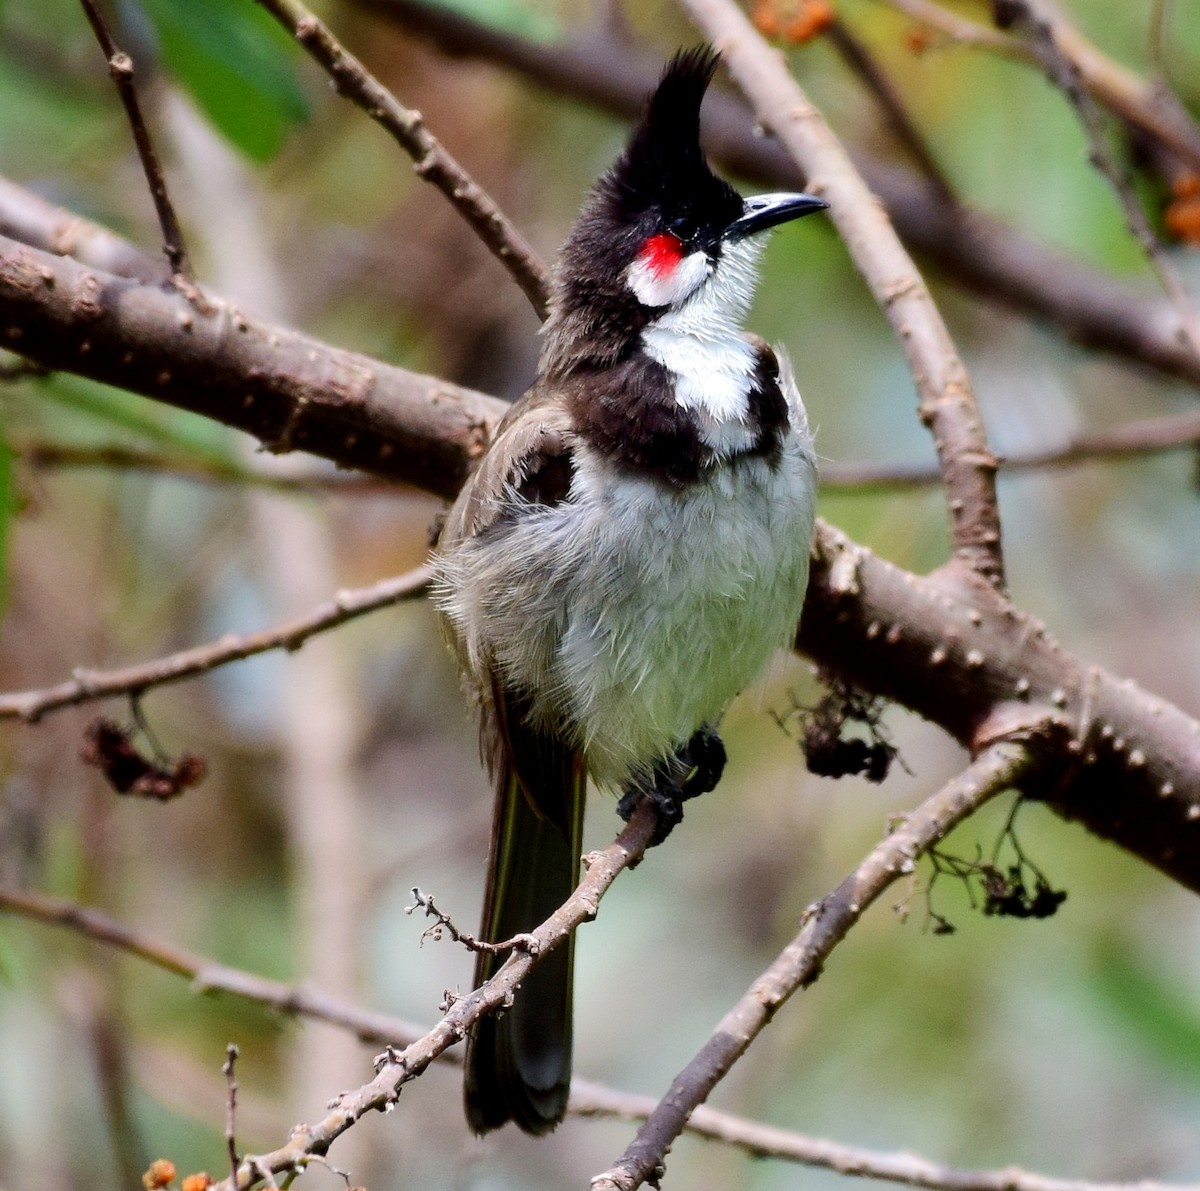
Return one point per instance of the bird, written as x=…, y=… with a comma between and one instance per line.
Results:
x=629, y=552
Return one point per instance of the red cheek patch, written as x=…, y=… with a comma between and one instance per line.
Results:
x=661, y=253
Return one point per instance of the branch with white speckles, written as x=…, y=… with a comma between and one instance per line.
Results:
x=824, y=925
x=954, y=650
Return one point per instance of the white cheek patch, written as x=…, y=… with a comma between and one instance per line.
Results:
x=654, y=285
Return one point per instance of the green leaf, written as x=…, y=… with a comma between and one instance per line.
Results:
x=238, y=65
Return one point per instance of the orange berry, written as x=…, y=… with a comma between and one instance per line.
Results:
x=160, y=1174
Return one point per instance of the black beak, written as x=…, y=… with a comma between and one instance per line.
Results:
x=763, y=211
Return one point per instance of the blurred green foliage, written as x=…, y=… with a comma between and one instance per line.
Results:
x=238, y=65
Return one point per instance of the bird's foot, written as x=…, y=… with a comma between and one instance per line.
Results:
x=693, y=770
x=704, y=757
x=667, y=803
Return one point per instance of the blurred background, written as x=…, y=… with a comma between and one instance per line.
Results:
x=343, y=775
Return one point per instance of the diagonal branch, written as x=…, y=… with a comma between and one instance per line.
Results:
x=396, y=1068
x=947, y=403
x=432, y=161
x=588, y=1099
x=900, y=124
x=824, y=925
x=1144, y=104
x=978, y=252
x=120, y=67
x=1047, y=36
x=85, y=686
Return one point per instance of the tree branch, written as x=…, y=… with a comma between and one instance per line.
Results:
x=956, y=652
x=768, y=1141
x=290, y=391
x=43, y=455
x=900, y=124
x=588, y=1099
x=1047, y=36
x=974, y=250
x=120, y=68
x=947, y=403
x=431, y=160
x=85, y=686
x=1149, y=436
x=396, y=1068
x=824, y=925
x=1144, y=104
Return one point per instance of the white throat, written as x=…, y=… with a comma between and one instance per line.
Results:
x=700, y=341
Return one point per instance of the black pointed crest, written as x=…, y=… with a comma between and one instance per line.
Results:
x=663, y=165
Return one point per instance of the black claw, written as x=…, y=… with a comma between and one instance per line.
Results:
x=692, y=770
x=704, y=755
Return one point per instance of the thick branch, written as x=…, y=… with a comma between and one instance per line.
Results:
x=966, y=659
x=587, y=1099
x=960, y=655
x=286, y=389
x=947, y=403
x=824, y=926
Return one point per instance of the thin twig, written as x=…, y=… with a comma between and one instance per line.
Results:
x=444, y=923
x=824, y=926
x=588, y=1099
x=1043, y=30
x=49, y=456
x=231, y=1054
x=856, y=55
x=432, y=161
x=1146, y=105
x=88, y=685
x=947, y=403
x=768, y=1141
x=1150, y=436
x=120, y=67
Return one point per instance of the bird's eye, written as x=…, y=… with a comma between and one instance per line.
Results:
x=683, y=227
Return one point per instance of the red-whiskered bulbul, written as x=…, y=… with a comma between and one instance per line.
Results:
x=630, y=551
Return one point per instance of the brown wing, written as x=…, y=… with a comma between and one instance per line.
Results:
x=518, y=1066
x=530, y=455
